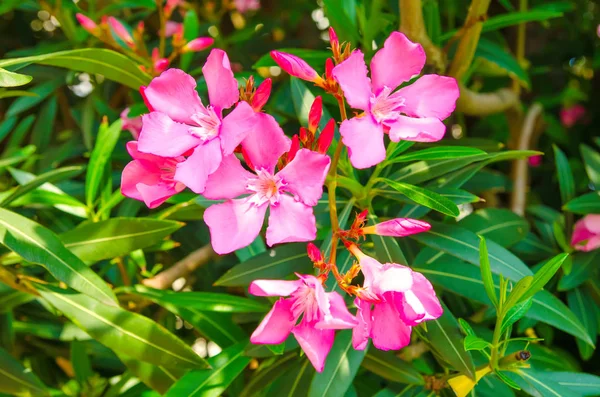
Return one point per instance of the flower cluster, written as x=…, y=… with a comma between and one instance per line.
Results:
x=228, y=149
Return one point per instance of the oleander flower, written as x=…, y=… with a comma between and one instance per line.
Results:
x=412, y=113
x=586, y=233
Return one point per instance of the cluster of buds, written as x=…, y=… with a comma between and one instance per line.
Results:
x=342, y=51
x=256, y=97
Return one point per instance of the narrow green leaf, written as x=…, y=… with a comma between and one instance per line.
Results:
x=105, y=144
x=581, y=383
x=464, y=325
x=390, y=367
x=438, y=153
x=507, y=381
x=11, y=79
x=18, y=156
x=566, y=183
x=263, y=377
x=425, y=197
x=191, y=30
x=293, y=382
x=486, y=272
x=158, y=378
x=587, y=204
x=500, y=225
x=584, y=264
x=591, y=159
x=542, y=276
x=17, y=380
x=81, y=362
x=500, y=56
x=473, y=342
x=212, y=301
x=583, y=306
x=515, y=313
x=41, y=91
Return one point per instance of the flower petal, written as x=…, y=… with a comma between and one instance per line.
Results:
x=228, y=181
x=362, y=332
x=162, y=136
x=388, y=331
x=276, y=326
x=155, y=195
x=398, y=61
x=274, y=287
x=315, y=343
x=364, y=139
x=174, y=93
x=339, y=317
x=394, y=277
x=233, y=224
x=290, y=221
x=414, y=129
x=351, y=75
x=222, y=86
x=430, y=96
x=133, y=174
x=236, y=126
x=305, y=174
x=194, y=171
x=266, y=143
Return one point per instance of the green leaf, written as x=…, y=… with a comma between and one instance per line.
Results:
x=303, y=100
x=115, y=237
x=39, y=245
x=13, y=298
x=438, y=153
x=518, y=292
x=581, y=383
x=515, y=313
x=226, y=366
x=500, y=56
x=342, y=16
x=584, y=264
x=507, y=381
x=528, y=380
x=122, y=331
x=390, y=367
x=422, y=171
x=425, y=197
x=293, y=382
x=591, y=160
x=446, y=340
x=473, y=342
x=583, y=306
x=18, y=156
x=263, y=377
x=109, y=63
x=105, y=144
x=486, y=272
x=276, y=263
x=542, y=276
x=17, y=380
x=464, y=325
x=457, y=196
x=158, y=378
x=10, y=79
x=587, y=204
x=566, y=183
x=255, y=248
x=500, y=225
x=81, y=362
x=41, y=91
x=191, y=30
x=212, y=301
x=340, y=368
x=315, y=58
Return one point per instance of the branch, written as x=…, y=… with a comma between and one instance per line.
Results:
x=183, y=268
x=484, y=103
x=413, y=25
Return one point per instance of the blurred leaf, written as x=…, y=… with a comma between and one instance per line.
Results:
x=115, y=237
x=39, y=245
x=44, y=124
x=191, y=30
x=128, y=333
x=105, y=144
x=587, y=204
x=42, y=91
x=390, y=367
x=425, y=197
x=262, y=378
x=583, y=306
x=591, y=159
x=18, y=156
x=293, y=382
x=438, y=153
x=81, y=362
x=10, y=79
x=17, y=380
x=584, y=264
x=495, y=53
x=340, y=368
x=15, y=93
x=566, y=183
x=315, y=58
x=226, y=366
x=159, y=378
x=500, y=225
x=303, y=100
x=341, y=17
x=255, y=248
x=13, y=298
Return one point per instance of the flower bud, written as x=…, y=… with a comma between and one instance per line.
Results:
x=87, y=24
x=333, y=39
x=314, y=115
x=303, y=135
x=161, y=65
x=294, y=147
x=295, y=66
x=172, y=28
x=326, y=137
x=399, y=227
x=261, y=95
x=140, y=27
x=198, y=44
x=316, y=256
x=329, y=69
x=121, y=31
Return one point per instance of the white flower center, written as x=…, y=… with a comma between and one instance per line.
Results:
x=266, y=187
x=305, y=302
x=207, y=124
x=386, y=107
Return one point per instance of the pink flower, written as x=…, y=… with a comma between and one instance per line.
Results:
x=179, y=124
x=261, y=95
x=320, y=314
x=198, y=44
x=535, y=161
x=412, y=113
x=133, y=125
x=290, y=193
x=172, y=28
x=87, y=24
x=569, y=116
x=395, y=299
x=586, y=233
x=121, y=31
x=399, y=227
x=150, y=178
x=244, y=6
x=295, y=66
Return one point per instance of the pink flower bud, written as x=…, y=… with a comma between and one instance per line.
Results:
x=172, y=28
x=314, y=253
x=329, y=69
x=303, y=135
x=399, y=227
x=295, y=66
x=161, y=65
x=569, y=116
x=294, y=147
x=87, y=23
x=121, y=31
x=535, y=161
x=140, y=27
x=326, y=137
x=333, y=39
x=314, y=116
x=198, y=44
x=261, y=95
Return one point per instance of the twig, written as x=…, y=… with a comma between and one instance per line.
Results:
x=484, y=103
x=183, y=268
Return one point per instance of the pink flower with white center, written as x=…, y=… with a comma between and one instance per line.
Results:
x=179, y=124
x=586, y=233
x=398, y=227
x=310, y=313
x=244, y=6
x=569, y=116
x=412, y=113
x=396, y=299
x=150, y=178
x=133, y=125
x=290, y=193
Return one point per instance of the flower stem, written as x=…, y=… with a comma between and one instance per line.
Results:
x=162, y=31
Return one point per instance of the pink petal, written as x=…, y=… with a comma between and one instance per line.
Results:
x=371, y=269
x=418, y=130
x=586, y=233
x=194, y=171
x=315, y=343
x=394, y=277
x=339, y=317
x=266, y=143
x=398, y=61
x=592, y=222
x=155, y=195
x=233, y=224
x=362, y=332
x=388, y=331
x=237, y=125
x=174, y=93
x=274, y=287
x=228, y=181
x=133, y=174
x=162, y=136
x=276, y=326
x=430, y=96
x=290, y=221
x=305, y=174
x=351, y=75
x=222, y=86
x=364, y=139
x=420, y=303
x=295, y=66
x=401, y=227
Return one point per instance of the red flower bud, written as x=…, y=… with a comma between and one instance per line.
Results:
x=333, y=39
x=326, y=137
x=294, y=147
x=314, y=115
x=314, y=253
x=161, y=65
x=295, y=66
x=329, y=69
x=198, y=44
x=121, y=31
x=303, y=135
x=261, y=95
